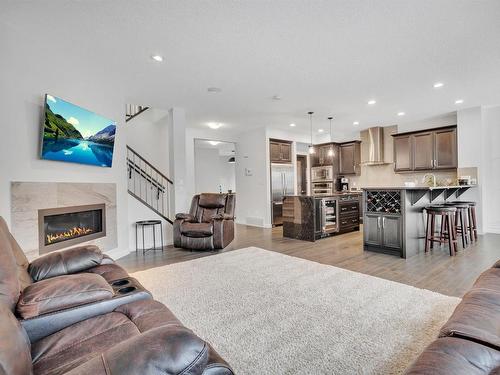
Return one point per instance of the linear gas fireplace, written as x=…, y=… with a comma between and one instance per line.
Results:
x=68, y=226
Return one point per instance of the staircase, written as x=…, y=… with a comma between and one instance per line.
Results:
x=148, y=185
x=133, y=110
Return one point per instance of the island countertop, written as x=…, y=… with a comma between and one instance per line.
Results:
x=417, y=187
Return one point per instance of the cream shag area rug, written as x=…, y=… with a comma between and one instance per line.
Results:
x=269, y=313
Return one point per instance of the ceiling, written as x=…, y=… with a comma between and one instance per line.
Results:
x=329, y=57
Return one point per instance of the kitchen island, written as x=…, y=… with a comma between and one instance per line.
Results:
x=310, y=218
x=394, y=220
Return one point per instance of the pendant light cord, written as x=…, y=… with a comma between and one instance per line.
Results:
x=311, y=127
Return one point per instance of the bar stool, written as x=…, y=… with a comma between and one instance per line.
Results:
x=472, y=227
x=460, y=222
x=446, y=213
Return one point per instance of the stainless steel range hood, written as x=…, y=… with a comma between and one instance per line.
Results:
x=372, y=143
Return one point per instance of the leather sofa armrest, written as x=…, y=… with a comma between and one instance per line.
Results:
x=169, y=349
x=223, y=217
x=61, y=293
x=187, y=217
x=65, y=262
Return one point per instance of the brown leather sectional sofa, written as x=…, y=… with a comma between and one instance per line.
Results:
x=469, y=343
x=76, y=312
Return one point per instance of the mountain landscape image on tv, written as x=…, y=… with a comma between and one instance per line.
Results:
x=74, y=134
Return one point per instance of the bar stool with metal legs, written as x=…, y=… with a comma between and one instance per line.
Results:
x=446, y=213
x=461, y=223
x=472, y=227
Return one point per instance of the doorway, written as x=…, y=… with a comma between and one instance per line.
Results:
x=214, y=163
x=301, y=174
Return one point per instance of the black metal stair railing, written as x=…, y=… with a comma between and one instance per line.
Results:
x=133, y=110
x=148, y=185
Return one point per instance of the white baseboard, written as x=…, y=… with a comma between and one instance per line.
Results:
x=117, y=253
x=493, y=229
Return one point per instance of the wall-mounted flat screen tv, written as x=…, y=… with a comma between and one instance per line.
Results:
x=76, y=135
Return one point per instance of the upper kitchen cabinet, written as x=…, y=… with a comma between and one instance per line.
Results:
x=350, y=157
x=280, y=151
x=403, y=153
x=325, y=155
x=445, y=153
x=426, y=150
x=423, y=151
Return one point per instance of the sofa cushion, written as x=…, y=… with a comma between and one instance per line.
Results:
x=65, y=262
x=211, y=200
x=197, y=229
x=109, y=272
x=62, y=292
x=76, y=344
x=476, y=318
x=15, y=357
x=73, y=346
x=450, y=355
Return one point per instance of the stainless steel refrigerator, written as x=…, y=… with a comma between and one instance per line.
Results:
x=282, y=183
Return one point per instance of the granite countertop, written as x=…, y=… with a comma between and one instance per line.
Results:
x=417, y=187
x=335, y=194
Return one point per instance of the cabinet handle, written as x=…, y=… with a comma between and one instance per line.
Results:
x=383, y=222
x=432, y=163
x=378, y=222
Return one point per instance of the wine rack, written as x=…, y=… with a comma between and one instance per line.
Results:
x=383, y=201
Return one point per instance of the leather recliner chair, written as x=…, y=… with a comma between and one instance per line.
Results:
x=209, y=225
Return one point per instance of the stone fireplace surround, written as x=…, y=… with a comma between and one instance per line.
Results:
x=29, y=197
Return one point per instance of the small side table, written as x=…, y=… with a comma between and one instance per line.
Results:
x=148, y=224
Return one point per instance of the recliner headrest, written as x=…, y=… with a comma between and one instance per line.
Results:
x=212, y=200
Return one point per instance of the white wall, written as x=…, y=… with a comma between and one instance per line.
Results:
x=478, y=134
x=491, y=175
x=212, y=170
x=29, y=69
x=252, y=179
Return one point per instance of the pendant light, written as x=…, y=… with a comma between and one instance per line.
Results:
x=311, y=147
x=330, y=151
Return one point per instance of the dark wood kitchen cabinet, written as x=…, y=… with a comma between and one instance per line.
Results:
x=445, y=152
x=423, y=151
x=383, y=231
x=426, y=150
x=280, y=151
x=403, y=154
x=325, y=155
x=350, y=157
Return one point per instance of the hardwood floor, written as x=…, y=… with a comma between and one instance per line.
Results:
x=436, y=271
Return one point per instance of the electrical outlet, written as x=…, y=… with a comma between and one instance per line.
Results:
x=248, y=172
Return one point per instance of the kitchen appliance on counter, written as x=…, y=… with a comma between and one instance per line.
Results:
x=322, y=174
x=322, y=188
x=342, y=184
x=281, y=185
x=326, y=211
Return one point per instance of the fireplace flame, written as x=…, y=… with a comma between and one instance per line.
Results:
x=72, y=233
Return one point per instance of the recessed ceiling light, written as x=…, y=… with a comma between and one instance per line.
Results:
x=401, y=113
x=214, y=125
x=276, y=97
x=292, y=125
x=438, y=85
x=320, y=130
x=355, y=123
x=214, y=143
x=371, y=102
x=214, y=89
x=157, y=58
x=459, y=101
